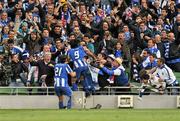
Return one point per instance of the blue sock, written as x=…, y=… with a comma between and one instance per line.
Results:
x=74, y=87
x=69, y=103
x=61, y=105
x=85, y=85
x=93, y=89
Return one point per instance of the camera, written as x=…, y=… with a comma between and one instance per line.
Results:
x=2, y=50
x=5, y=74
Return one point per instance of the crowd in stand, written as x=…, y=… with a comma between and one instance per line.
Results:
x=101, y=39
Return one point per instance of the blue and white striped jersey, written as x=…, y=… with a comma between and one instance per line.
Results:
x=61, y=75
x=77, y=56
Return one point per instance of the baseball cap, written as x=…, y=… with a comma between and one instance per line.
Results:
x=25, y=55
x=112, y=56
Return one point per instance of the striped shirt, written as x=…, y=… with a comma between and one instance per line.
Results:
x=77, y=56
x=61, y=75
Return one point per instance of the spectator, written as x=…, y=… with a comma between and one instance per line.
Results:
x=125, y=47
x=151, y=83
x=78, y=33
x=136, y=67
x=45, y=67
x=4, y=36
x=159, y=44
x=102, y=76
x=118, y=50
x=18, y=69
x=172, y=52
x=32, y=41
x=176, y=28
x=152, y=49
x=126, y=33
x=87, y=39
x=166, y=74
x=118, y=72
x=150, y=62
x=105, y=46
x=56, y=32
x=14, y=49
x=45, y=38
x=60, y=49
x=4, y=20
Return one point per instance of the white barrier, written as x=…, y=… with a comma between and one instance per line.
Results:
x=107, y=102
x=39, y=101
x=79, y=101
x=178, y=101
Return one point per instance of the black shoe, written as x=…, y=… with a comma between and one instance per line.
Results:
x=98, y=106
x=65, y=107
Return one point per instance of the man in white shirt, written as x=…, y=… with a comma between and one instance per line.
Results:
x=166, y=74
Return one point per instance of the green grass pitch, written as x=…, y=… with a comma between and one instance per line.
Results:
x=91, y=115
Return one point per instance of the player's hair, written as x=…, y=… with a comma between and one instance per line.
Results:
x=62, y=58
x=74, y=43
x=162, y=60
x=145, y=77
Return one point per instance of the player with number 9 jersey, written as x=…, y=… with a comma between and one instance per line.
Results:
x=77, y=56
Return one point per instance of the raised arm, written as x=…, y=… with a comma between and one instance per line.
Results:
x=89, y=52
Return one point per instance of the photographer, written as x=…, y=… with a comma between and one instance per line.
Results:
x=3, y=72
x=5, y=66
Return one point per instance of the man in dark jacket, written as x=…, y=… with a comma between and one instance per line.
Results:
x=45, y=67
x=18, y=69
x=172, y=52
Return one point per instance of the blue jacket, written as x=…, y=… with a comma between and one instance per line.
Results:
x=120, y=77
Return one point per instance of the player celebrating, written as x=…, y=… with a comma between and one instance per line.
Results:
x=77, y=55
x=61, y=81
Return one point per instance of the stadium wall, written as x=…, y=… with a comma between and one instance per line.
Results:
x=79, y=101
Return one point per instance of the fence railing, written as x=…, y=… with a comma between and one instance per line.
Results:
x=106, y=90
